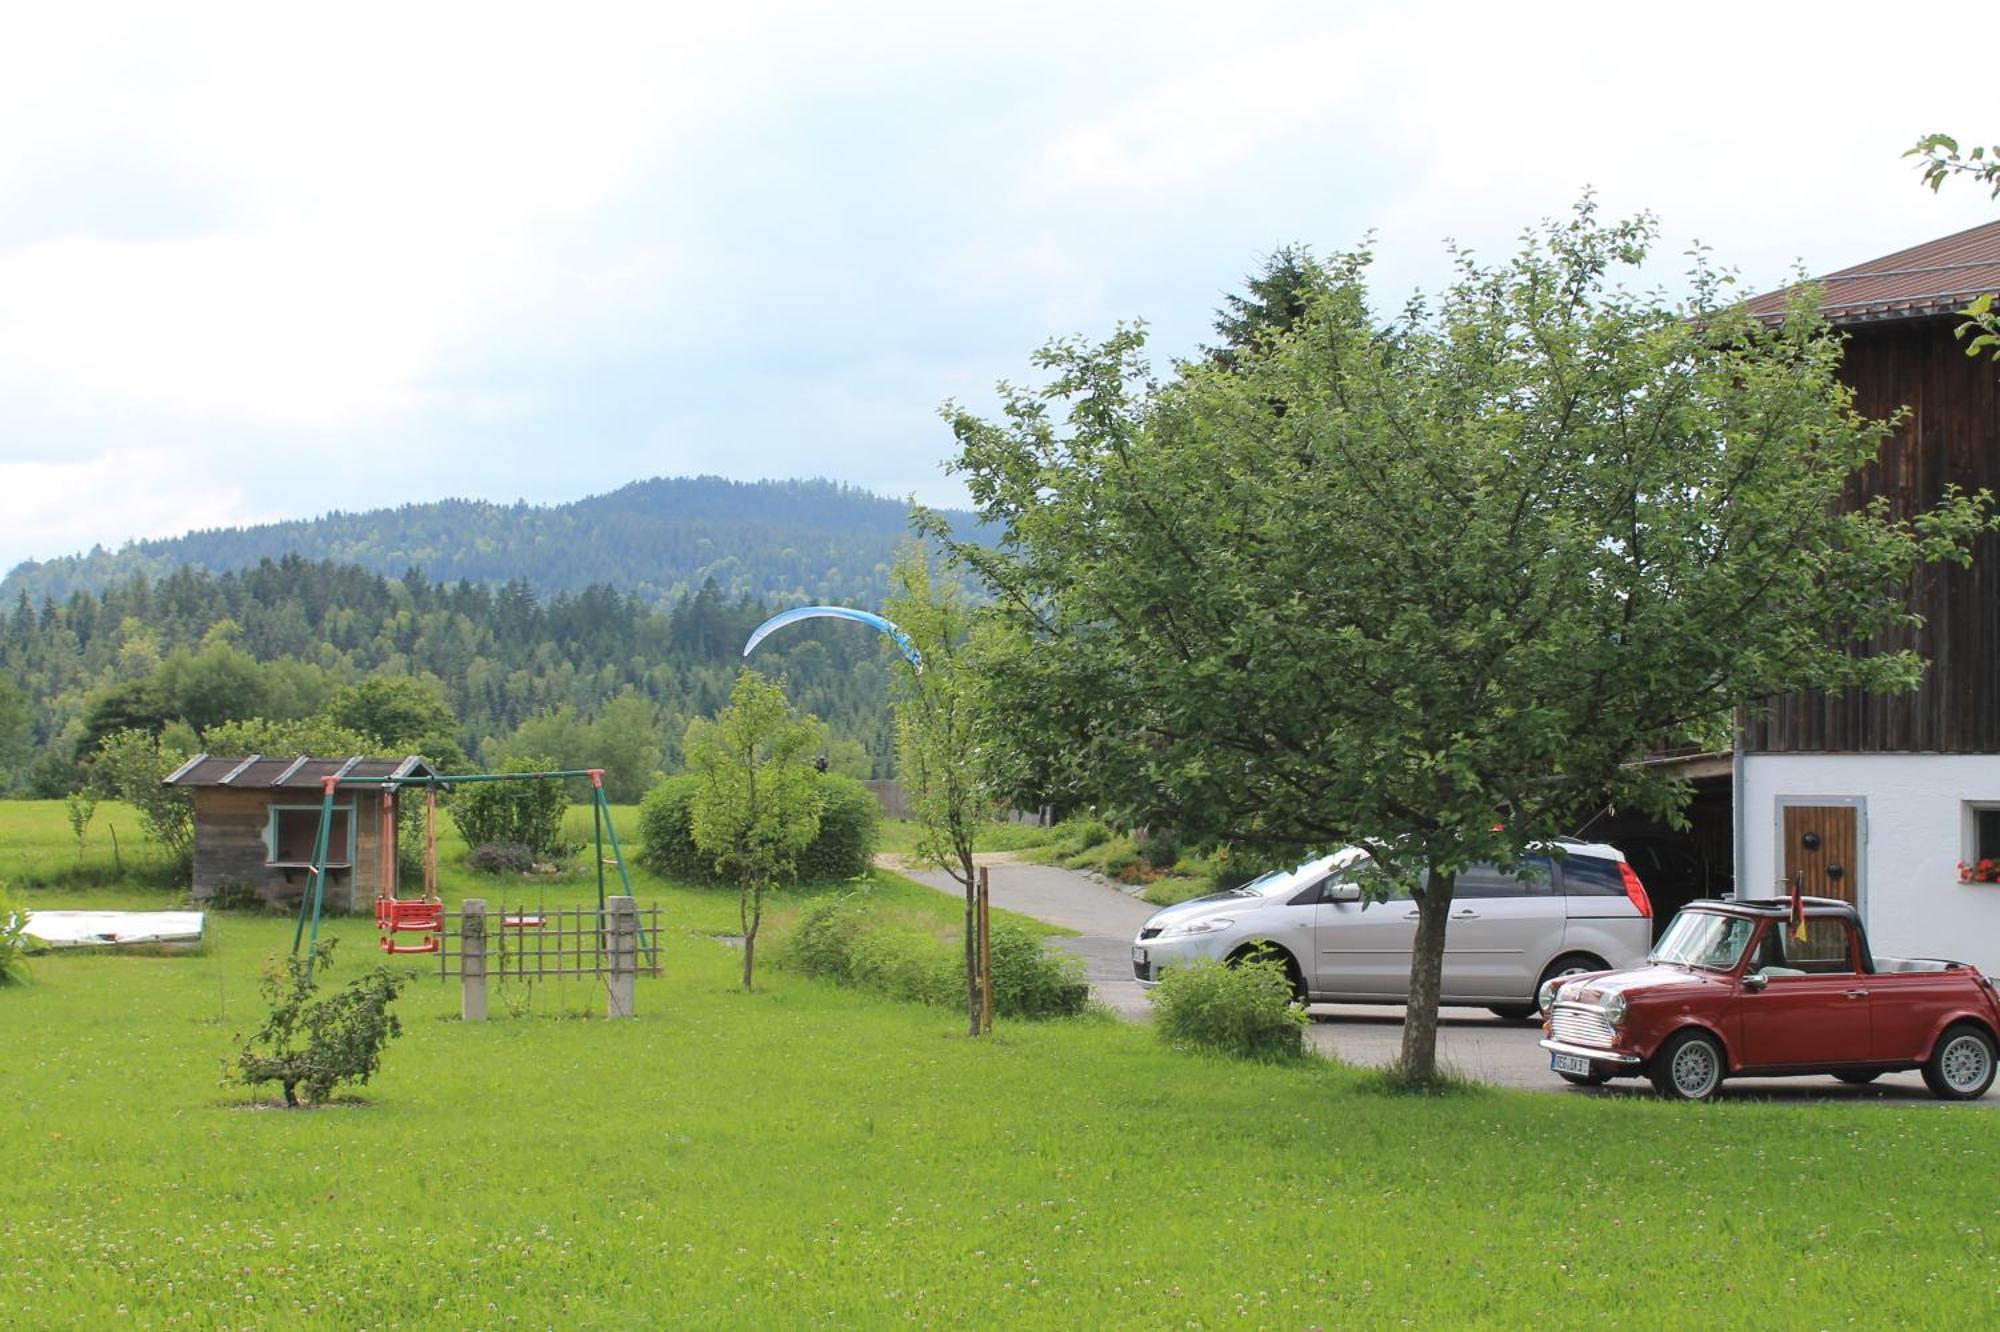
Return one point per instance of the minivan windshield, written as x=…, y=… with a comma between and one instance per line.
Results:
x=1705, y=939
x=1277, y=883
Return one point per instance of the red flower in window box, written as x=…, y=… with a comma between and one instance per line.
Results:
x=1983, y=872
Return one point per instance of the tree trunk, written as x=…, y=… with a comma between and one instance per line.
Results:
x=971, y=882
x=1417, y=1064
x=292, y=1094
x=750, y=913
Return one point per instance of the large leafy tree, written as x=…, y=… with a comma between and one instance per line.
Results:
x=758, y=801
x=1433, y=586
x=1940, y=159
x=943, y=752
x=403, y=715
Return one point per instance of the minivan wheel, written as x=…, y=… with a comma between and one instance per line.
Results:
x=1569, y=964
x=1292, y=973
x=1688, y=1067
x=1512, y=1012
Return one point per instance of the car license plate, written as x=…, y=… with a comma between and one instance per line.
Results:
x=1568, y=1063
x=1138, y=957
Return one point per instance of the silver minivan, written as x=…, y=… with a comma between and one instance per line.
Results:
x=1579, y=908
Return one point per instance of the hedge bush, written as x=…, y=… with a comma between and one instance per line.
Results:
x=529, y=811
x=850, y=827
x=853, y=941
x=1244, y=1010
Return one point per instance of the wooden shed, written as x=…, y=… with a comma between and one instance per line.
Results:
x=256, y=818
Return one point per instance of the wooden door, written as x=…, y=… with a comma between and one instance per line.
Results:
x=1822, y=850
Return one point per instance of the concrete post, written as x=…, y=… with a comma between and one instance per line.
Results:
x=622, y=939
x=472, y=959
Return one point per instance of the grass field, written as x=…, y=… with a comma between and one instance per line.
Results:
x=814, y=1157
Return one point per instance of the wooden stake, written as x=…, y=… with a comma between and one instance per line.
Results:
x=985, y=952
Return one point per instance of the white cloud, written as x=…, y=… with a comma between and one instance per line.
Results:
x=1192, y=127
x=135, y=493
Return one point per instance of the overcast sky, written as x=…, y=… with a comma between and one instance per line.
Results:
x=262, y=261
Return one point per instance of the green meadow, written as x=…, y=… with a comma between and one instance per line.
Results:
x=809, y=1156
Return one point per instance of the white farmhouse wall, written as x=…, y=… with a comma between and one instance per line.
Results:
x=1913, y=832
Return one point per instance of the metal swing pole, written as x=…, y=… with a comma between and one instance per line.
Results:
x=316, y=891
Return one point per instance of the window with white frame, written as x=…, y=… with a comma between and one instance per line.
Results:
x=1981, y=863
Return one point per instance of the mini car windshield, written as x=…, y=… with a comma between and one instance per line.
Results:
x=1705, y=939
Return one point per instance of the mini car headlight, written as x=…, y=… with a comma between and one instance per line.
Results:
x=1206, y=925
x=1545, y=998
x=1614, y=1008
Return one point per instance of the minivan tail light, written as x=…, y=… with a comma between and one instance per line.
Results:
x=1635, y=890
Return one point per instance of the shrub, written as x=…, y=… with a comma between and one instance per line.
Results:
x=905, y=961
x=501, y=858
x=1075, y=835
x=1160, y=849
x=1032, y=980
x=666, y=832
x=13, y=953
x=850, y=828
x=823, y=939
x=856, y=942
x=1244, y=1010
x=316, y=1043
x=529, y=812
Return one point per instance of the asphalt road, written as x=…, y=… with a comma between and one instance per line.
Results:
x=1471, y=1041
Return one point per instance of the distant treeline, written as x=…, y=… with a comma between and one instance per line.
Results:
x=774, y=541
x=278, y=640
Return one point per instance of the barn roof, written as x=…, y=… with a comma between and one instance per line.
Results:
x=1936, y=278
x=259, y=773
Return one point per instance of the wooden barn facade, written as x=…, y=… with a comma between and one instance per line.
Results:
x=256, y=818
x=1879, y=799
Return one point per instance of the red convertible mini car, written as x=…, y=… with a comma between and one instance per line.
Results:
x=1738, y=989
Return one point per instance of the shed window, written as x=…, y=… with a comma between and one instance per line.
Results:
x=295, y=827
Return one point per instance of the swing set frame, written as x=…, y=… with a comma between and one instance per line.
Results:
x=425, y=915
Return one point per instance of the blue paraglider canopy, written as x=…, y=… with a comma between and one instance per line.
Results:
x=874, y=621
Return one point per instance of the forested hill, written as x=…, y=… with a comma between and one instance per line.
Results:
x=773, y=541
x=578, y=678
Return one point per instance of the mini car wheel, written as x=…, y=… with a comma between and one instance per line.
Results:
x=1961, y=1067
x=1689, y=1067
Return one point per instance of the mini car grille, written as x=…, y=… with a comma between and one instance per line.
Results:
x=1150, y=932
x=1580, y=1026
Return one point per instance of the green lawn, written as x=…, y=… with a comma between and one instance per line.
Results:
x=811, y=1156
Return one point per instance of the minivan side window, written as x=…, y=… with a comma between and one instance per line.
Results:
x=1590, y=876
x=1531, y=880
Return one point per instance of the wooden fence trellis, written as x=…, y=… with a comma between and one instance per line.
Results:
x=618, y=943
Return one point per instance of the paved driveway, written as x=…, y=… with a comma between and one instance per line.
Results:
x=1471, y=1041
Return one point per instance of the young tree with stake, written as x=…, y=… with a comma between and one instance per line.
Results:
x=942, y=752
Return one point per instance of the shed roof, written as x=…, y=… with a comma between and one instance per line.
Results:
x=1936, y=278
x=255, y=772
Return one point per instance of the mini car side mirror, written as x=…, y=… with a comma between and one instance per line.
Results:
x=1756, y=980
x=1342, y=892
